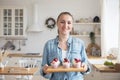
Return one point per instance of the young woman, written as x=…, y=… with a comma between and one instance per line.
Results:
x=64, y=46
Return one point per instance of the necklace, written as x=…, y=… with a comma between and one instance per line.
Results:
x=63, y=45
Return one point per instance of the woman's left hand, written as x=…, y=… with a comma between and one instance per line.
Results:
x=85, y=66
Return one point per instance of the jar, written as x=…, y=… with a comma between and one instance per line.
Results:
x=96, y=19
x=97, y=30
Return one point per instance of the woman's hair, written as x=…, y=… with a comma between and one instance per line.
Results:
x=64, y=13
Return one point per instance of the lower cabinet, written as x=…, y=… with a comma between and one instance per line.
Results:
x=96, y=75
x=110, y=76
x=14, y=61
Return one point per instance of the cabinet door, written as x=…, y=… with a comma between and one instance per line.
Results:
x=13, y=21
x=110, y=76
x=1, y=22
x=7, y=21
x=19, y=27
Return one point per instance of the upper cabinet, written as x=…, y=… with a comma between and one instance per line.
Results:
x=12, y=22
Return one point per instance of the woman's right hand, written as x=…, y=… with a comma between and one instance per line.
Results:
x=45, y=67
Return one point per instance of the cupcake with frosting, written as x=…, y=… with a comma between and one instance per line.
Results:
x=77, y=63
x=55, y=63
x=66, y=63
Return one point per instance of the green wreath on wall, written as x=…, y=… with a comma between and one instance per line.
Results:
x=50, y=23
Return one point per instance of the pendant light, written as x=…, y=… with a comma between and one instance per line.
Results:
x=35, y=27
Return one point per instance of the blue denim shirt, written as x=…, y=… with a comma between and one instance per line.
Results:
x=76, y=49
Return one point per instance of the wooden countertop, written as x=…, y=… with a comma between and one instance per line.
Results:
x=103, y=68
x=95, y=57
x=98, y=63
x=17, y=71
x=23, y=55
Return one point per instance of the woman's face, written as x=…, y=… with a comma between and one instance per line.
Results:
x=65, y=24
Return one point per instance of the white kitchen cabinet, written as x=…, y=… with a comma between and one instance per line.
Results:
x=13, y=21
x=93, y=75
x=110, y=76
x=14, y=61
x=97, y=75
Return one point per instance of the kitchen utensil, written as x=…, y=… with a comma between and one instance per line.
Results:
x=19, y=49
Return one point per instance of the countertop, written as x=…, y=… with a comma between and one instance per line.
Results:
x=18, y=71
x=103, y=68
x=98, y=63
x=36, y=55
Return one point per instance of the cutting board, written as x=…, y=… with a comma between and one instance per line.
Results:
x=62, y=69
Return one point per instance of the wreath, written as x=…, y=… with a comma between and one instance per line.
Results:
x=50, y=22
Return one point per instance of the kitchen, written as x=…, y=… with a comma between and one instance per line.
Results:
x=33, y=41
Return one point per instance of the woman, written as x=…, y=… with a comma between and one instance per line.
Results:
x=64, y=46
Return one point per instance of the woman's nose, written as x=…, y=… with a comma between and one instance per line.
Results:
x=66, y=25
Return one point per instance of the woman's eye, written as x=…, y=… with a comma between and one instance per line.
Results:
x=69, y=22
x=62, y=22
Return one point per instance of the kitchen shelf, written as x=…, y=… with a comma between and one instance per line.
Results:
x=14, y=37
x=87, y=23
x=85, y=35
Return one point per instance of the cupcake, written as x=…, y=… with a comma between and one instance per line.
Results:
x=77, y=63
x=66, y=63
x=55, y=63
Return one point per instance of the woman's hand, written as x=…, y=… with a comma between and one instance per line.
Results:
x=85, y=66
x=45, y=67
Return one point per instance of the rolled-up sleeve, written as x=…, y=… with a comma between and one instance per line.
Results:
x=85, y=59
x=44, y=61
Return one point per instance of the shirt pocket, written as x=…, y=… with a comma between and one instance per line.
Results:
x=75, y=51
x=75, y=55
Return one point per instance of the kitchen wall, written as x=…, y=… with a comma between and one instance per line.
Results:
x=49, y=8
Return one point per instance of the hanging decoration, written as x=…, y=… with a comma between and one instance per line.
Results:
x=50, y=23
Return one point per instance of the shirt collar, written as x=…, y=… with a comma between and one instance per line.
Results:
x=68, y=41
